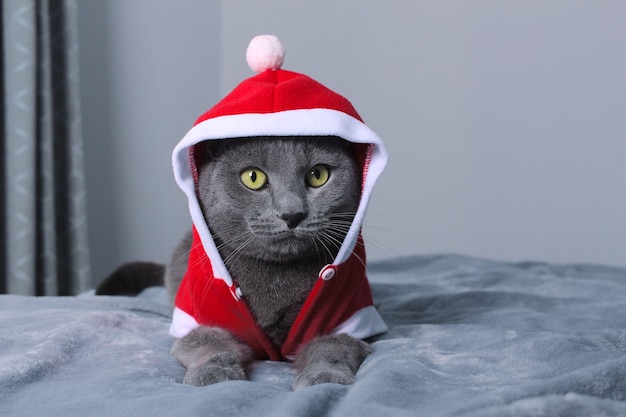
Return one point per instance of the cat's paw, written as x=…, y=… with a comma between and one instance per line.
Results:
x=323, y=375
x=330, y=359
x=211, y=373
x=211, y=355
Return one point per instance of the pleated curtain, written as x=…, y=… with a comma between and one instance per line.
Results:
x=44, y=229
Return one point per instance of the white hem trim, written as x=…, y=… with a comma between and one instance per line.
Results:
x=182, y=323
x=365, y=323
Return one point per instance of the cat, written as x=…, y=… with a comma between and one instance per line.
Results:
x=278, y=209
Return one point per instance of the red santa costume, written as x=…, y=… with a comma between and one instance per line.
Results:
x=276, y=102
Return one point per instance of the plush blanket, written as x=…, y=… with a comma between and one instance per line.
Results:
x=467, y=337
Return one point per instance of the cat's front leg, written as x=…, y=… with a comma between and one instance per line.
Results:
x=210, y=355
x=331, y=358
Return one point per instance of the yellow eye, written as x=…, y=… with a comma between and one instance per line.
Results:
x=253, y=178
x=317, y=176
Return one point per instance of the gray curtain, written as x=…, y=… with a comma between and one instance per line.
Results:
x=44, y=238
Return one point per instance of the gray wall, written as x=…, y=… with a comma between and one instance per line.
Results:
x=148, y=69
x=505, y=120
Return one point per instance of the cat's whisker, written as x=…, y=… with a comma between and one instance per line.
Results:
x=361, y=260
x=331, y=240
x=326, y=248
x=239, y=250
x=378, y=246
x=232, y=257
x=340, y=222
x=338, y=232
x=227, y=239
x=347, y=215
x=319, y=250
x=228, y=232
x=207, y=288
x=337, y=239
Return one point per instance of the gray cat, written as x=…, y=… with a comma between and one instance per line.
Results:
x=275, y=240
x=278, y=210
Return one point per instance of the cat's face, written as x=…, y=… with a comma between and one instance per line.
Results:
x=279, y=199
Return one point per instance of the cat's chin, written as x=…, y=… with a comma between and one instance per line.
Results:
x=279, y=250
x=287, y=253
x=283, y=257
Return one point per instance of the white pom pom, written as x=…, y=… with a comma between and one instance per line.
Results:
x=265, y=52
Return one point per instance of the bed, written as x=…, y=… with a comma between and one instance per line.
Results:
x=468, y=337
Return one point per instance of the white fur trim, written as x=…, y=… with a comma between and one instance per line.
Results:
x=365, y=323
x=182, y=323
x=304, y=122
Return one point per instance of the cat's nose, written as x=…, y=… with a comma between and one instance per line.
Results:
x=293, y=219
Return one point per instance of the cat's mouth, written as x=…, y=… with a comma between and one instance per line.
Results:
x=296, y=244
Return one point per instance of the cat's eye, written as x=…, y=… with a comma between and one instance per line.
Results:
x=317, y=176
x=253, y=178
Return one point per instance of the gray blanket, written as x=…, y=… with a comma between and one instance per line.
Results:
x=468, y=337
